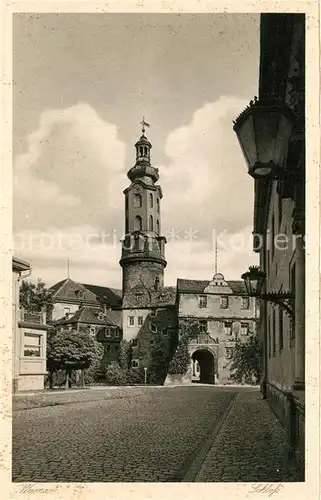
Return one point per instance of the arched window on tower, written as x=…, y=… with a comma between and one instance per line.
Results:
x=157, y=203
x=145, y=150
x=151, y=200
x=157, y=226
x=151, y=223
x=141, y=151
x=138, y=223
x=137, y=200
x=156, y=284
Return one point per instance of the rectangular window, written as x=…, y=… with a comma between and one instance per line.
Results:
x=245, y=302
x=32, y=345
x=244, y=328
x=134, y=343
x=131, y=321
x=140, y=320
x=228, y=327
x=272, y=237
x=203, y=326
x=202, y=301
x=292, y=288
x=224, y=302
x=280, y=329
x=270, y=342
x=135, y=363
x=274, y=333
x=116, y=333
x=107, y=333
x=229, y=352
x=92, y=329
x=280, y=203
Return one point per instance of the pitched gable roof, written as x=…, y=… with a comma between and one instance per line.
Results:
x=198, y=286
x=66, y=289
x=90, y=315
x=111, y=295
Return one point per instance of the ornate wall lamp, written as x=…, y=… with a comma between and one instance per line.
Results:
x=263, y=130
x=254, y=280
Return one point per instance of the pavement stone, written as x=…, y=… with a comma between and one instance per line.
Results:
x=251, y=446
x=148, y=434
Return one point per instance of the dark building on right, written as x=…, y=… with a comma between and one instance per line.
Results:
x=271, y=133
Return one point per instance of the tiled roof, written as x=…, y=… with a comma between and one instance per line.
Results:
x=87, y=314
x=111, y=295
x=55, y=288
x=198, y=286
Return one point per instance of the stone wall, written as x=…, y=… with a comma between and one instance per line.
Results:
x=142, y=274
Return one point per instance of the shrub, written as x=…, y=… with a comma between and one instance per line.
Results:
x=115, y=375
x=181, y=360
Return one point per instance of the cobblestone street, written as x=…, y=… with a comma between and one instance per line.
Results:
x=155, y=434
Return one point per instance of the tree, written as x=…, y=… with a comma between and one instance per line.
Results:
x=188, y=329
x=159, y=360
x=70, y=350
x=246, y=362
x=35, y=297
x=124, y=354
x=95, y=372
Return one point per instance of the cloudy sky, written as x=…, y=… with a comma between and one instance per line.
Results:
x=82, y=83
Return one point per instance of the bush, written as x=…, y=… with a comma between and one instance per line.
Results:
x=136, y=376
x=115, y=375
x=181, y=360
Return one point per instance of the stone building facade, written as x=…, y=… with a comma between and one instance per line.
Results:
x=279, y=221
x=29, y=337
x=222, y=313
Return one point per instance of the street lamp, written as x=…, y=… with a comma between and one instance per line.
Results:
x=263, y=130
x=254, y=280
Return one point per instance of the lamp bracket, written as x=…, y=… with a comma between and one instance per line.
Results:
x=285, y=300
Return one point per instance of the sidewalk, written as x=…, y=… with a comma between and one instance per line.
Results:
x=251, y=446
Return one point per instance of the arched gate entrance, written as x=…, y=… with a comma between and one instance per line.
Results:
x=203, y=366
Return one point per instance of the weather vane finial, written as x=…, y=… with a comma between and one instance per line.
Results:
x=144, y=124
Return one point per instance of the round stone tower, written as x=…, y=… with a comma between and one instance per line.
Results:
x=143, y=247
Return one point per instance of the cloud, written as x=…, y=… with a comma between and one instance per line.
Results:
x=204, y=181
x=93, y=254
x=68, y=198
x=71, y=172
x=195, y=258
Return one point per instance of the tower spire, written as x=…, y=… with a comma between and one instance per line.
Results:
x=144, y=124
x=216, y=255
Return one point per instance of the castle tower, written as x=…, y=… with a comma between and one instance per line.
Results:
x=143, y=250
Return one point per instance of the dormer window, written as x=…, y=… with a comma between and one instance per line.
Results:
x=80, y=294
x=101, y=316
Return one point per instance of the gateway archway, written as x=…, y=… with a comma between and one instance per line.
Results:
x=203, y=366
